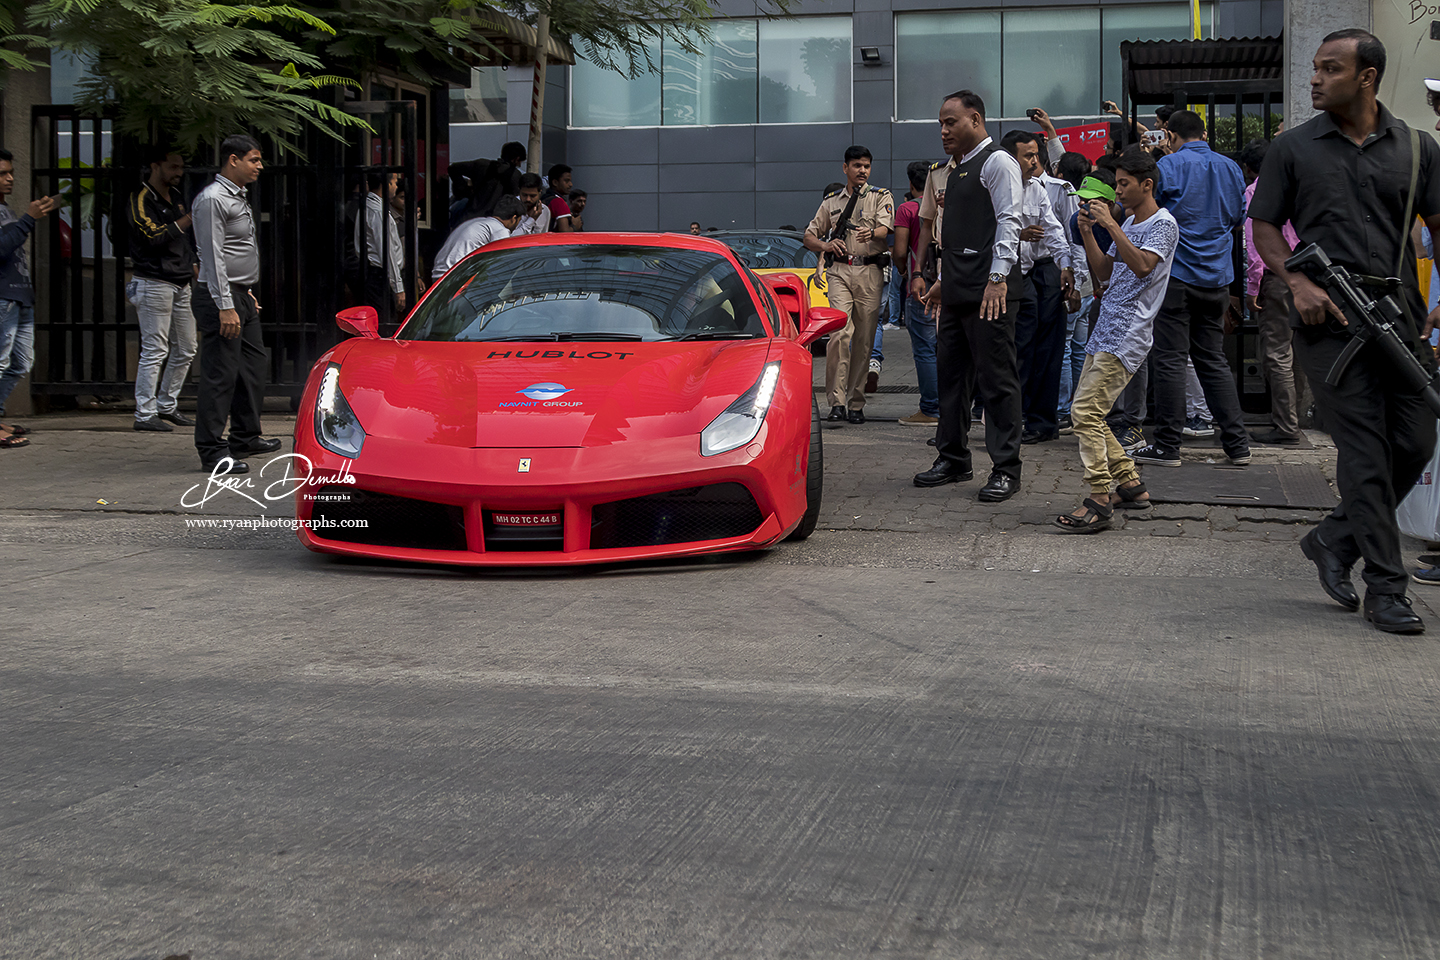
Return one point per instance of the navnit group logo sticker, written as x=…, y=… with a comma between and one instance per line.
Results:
x=545, y=391
x=543, y=395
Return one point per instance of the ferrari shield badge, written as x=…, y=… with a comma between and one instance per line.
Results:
x=524, y=465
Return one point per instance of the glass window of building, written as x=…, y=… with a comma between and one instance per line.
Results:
x=484, y=100
x=1145, y=22
x=805, y=70
x=604, y=98
x=746, y=71
x=939, y=53
x=1064, y=59
x=1050, y=60
x=716, y=85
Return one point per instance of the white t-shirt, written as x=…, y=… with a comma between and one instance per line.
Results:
x=529, y=224
x=1126, y=325
x=467, y=238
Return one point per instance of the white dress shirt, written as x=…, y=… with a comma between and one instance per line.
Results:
x=1000, y=175
x=1036, y=210
x=384, y=246
x=467, y=238
x=529, y=225
x=1066, y=205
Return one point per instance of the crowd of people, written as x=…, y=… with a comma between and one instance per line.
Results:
x=1045, y=295
x=193, y=272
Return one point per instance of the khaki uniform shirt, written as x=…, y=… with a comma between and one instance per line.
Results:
x=930, y=208
x=874, y=209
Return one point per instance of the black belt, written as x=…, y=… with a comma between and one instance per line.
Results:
x=861, y=261
x=1041, y=261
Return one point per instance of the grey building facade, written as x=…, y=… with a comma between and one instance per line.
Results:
x=722, y=138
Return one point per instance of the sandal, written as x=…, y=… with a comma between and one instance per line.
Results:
x=7, y=442
x=1130, y=497
x=1097, y=517
x=15, y=429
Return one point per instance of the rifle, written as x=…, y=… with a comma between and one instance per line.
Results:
x=1377, y=320
x=841, y=225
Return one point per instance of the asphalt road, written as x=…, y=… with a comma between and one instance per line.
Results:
x=878, y=743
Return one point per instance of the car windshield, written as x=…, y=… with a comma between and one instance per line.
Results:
x=770, y=251
x=588, y=292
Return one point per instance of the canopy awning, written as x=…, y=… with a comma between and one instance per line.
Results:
x=1155, y=69
x=515, y=41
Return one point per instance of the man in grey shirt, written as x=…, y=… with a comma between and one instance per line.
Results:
x=232, y=350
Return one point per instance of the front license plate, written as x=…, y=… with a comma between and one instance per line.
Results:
x=525, y=519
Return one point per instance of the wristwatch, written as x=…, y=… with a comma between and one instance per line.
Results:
x=997, y=278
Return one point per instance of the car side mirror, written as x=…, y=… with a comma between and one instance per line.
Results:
x=363, y=321
x=822, y=320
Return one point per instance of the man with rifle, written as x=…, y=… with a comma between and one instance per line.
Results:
x=850, y=229
x=1351, y=181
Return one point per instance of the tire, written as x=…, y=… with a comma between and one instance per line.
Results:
x=814, y=479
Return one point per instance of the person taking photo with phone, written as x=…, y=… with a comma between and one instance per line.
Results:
x=1137, y=270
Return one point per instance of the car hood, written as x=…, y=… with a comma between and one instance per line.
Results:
x=543, y=394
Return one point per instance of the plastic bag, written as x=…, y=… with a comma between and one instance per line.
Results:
x=1419, y=513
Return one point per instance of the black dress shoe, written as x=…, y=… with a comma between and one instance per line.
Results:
x=155, y=425
x=236, y=466
x=933, y=442
x=1391, y=612
x=177, y=418
x=256, y=446
x=857, y=416
x=999, y=488
x=1334, y=574
x=838, y=415
x=943, y=472
x=1036, y=436
x=1274, y=438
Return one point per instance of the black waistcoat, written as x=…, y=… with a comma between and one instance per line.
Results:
x=969, y=225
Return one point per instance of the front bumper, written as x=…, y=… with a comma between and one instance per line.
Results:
x=626, y=501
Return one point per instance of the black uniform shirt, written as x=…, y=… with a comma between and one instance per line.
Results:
x=1350, y=199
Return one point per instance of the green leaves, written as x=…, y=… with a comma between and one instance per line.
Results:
x=200, y=69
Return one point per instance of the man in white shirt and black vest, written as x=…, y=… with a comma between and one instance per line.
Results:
x=980, y=289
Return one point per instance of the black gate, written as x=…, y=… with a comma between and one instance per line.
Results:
x=1223, y=79
x=87, y=337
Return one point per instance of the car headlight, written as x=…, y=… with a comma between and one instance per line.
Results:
x=337, y=429
x=741, y=420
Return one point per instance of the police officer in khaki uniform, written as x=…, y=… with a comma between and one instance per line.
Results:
x=854, y=257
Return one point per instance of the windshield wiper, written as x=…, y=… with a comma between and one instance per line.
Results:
x=717, y=335
x=523, y=337
x=597, y=336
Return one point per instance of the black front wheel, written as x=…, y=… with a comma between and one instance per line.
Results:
x=814, y=479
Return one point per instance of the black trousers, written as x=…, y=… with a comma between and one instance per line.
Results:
x=975, y=356
x=1192, y=322
x=232, y=375
x=1383, y=440
x=1040, y=347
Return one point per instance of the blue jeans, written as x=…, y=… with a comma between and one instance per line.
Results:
x=1077, y=329
x=922, y=343
x=17, y=346
x=877, y=351
x=894, y=297
x=167, y=330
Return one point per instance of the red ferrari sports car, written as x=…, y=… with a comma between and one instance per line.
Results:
x=569, y=399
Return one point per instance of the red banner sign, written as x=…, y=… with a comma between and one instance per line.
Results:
x=1089, y=139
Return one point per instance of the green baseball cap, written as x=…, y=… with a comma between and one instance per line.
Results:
x=1093, y=189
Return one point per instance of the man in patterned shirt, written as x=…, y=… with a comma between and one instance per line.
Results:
x=1137, y=270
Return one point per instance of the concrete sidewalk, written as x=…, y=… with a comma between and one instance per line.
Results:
x=78, y=459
